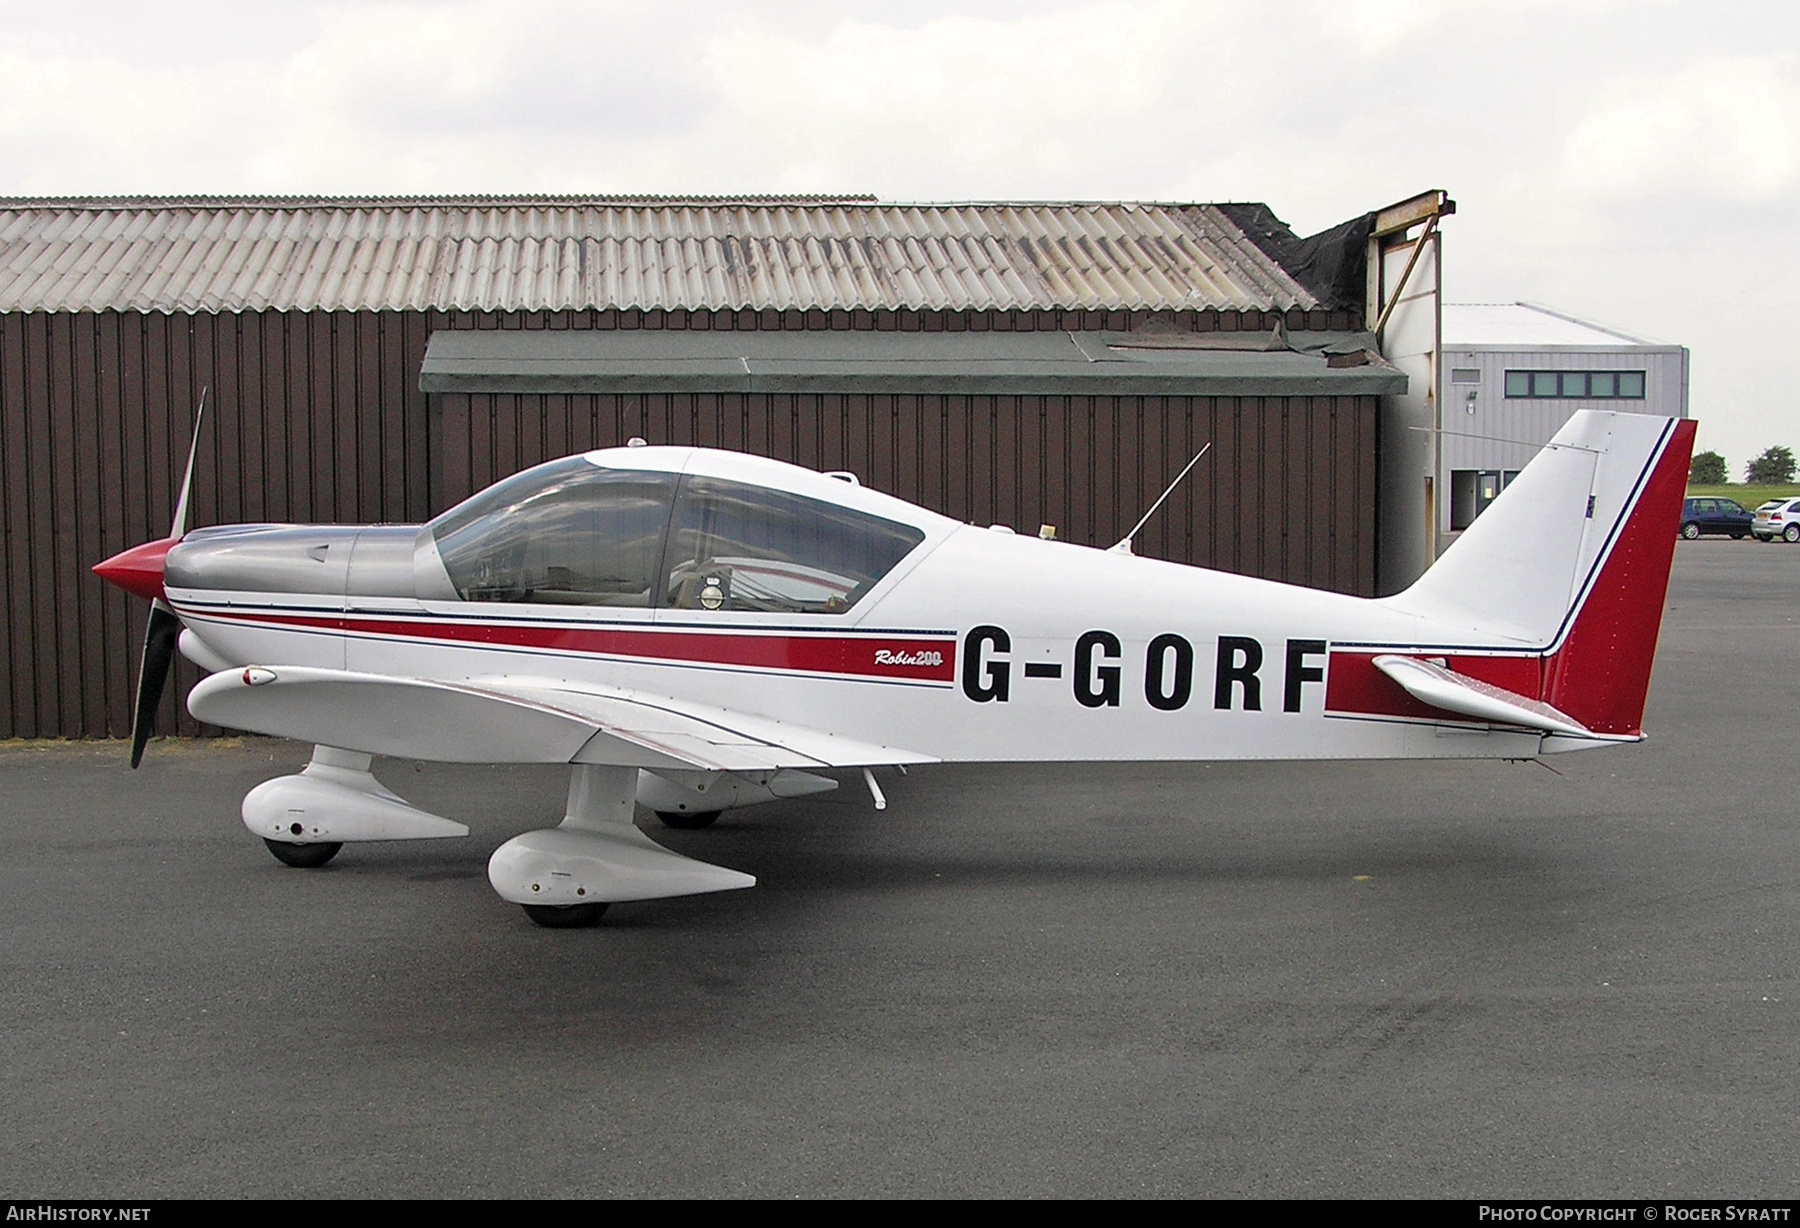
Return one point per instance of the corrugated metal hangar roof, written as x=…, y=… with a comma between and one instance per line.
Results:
x=537, y=253
x=1046, y=363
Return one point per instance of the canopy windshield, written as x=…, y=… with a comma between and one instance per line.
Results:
x=575, y=533
x=566, y=533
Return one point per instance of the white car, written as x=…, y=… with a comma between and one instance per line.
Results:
x=1777, y=518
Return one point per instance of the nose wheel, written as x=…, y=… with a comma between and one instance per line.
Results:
x=302, y=856
x=683, y=820
x=566, y=916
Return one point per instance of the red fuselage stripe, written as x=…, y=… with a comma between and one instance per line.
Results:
x=871, y=656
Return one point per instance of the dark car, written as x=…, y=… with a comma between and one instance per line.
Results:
x=1722, y=517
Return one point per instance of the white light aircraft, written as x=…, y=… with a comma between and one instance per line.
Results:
x=696, y=630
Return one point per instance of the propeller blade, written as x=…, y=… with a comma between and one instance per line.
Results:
x=153, y=673
x=179, y=527
x=139, y=570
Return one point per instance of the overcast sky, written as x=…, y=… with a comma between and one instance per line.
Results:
x=1637, y=164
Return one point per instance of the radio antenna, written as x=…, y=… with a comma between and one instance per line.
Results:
x=1124, y=546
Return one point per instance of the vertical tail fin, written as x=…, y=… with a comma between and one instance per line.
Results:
x=1573, y=560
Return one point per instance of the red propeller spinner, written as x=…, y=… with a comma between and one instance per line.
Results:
x=138, y=570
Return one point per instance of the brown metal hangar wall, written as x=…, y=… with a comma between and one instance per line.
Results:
x=506, y=433
x=1286, y=493
x=311, y=416
x=317, y=416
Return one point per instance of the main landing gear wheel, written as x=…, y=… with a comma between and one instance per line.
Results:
x=681, y=820
x=566, y=916
x=302, y=856
x=1690, y=531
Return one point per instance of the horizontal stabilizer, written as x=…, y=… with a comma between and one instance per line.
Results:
x=1453, y=692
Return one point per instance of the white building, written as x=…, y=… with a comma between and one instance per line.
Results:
x=1514, y=373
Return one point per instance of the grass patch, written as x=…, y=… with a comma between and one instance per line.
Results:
x=1748, y=496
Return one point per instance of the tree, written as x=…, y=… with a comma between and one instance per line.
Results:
x=1707, y=469
x=1775, y=465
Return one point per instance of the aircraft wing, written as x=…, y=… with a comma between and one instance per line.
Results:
x=514, y=720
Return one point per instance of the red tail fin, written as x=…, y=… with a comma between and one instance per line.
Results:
x=1600, y=672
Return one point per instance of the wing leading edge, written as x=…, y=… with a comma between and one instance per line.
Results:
x=517, y=721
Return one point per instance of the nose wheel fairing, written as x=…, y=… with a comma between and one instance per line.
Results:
x=335, y=799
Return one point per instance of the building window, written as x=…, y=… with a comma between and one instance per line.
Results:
x=1576, y=385
x=1471, y=490
x=1465, y=375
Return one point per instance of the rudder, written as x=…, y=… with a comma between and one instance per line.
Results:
x=1600, y=673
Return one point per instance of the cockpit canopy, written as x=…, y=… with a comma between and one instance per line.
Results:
x=577, y=532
